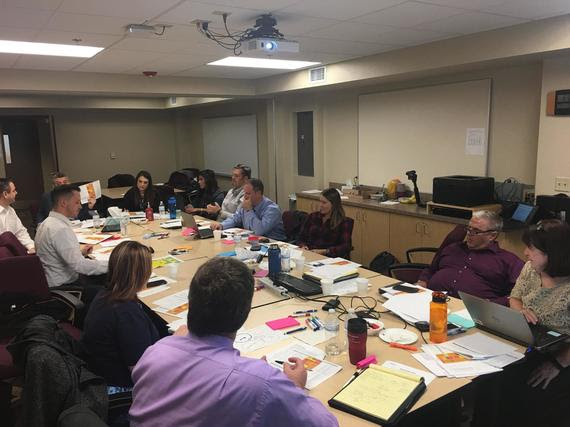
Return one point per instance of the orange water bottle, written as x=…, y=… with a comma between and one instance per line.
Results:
x=438, y=317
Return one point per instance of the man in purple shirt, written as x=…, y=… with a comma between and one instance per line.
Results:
x=200, y=379
x=477, y=266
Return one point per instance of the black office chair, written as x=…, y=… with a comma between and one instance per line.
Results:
x=407, y=272
x=410, y=253
x=121, y=180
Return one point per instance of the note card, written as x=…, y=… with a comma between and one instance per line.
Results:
x=285, y=322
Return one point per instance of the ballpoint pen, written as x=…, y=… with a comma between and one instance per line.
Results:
x=296, y=330
x=305, y=311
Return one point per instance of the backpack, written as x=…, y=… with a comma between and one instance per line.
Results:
x=382, y=261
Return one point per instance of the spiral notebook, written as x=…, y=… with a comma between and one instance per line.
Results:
x=379, y=394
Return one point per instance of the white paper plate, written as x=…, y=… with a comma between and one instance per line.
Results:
x=401, y=336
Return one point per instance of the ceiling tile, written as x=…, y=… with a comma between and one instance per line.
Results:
x=7, y=60
x=24, y=18
x=342, y=47
x=17, y=34
x=263, y=5
x=471, y=22
x=189, y=11
x=295, y=25
x=87, y=23
x=532, y=9
x=229, y=72
x=408, y=14
x=466, y=4
x=151, y=44
x=340, y=10
x=353, y=31
x=33, y=4
x=64, y=37
x=134, y=10
x=171, y=64
x=39, y=62
x=117, y=61
x=409, y=36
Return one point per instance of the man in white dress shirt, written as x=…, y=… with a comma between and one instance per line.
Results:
x=9, y=221
x=234, y=197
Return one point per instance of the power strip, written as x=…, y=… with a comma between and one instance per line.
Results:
x=268, y=284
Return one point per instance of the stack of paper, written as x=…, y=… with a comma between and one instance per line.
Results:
x=333, y=268
x=254, y=339
x=319, y=370
x=468, y=356
x=175, y=304
x=410, y=307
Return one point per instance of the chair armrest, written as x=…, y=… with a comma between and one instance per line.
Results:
x=68, y=299
x=420, y=249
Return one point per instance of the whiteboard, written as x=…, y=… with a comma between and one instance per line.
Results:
x=229, y=141
x=425, y=129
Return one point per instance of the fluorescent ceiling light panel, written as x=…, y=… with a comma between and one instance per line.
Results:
x=48, y=49
x=276, y=64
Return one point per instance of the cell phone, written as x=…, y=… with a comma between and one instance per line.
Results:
x=404, y=288
x=156, y=283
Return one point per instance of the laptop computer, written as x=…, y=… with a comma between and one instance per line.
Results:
x=299, y=286
x=508, y=323
x=522, y=217
x=112, y=225
x=189, y=221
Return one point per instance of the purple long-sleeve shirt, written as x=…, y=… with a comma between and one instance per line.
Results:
x=203, y=381
x=488, y=273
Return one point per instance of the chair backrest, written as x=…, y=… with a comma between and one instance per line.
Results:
x=408, y=272
x=121, y=180
x=293, y=222
x=182, y=179
x=23, y=279
x=11, y=246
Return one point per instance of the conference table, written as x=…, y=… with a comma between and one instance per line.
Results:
x=269, y=305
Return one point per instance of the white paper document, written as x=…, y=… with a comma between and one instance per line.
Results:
x=504, y=359
x=311, y=337
x=175, y=304
x=475, y=142
x=484, y=344
x=173, y=326
x=410, y=306
x=151, y=291
x=113, y=243
x=254, y=339
x=428, y=378
x=92, y=239
x=318, y=369
x=91, y=190
x=431, y=363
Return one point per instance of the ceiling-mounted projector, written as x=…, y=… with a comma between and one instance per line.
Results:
x=270, y=45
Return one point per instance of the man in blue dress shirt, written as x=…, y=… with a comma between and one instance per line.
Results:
x=257, y=213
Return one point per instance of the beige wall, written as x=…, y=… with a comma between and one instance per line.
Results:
x=554, y=138
x=140, y=139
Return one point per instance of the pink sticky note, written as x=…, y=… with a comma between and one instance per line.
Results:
x=261, y=273
x=228, y=242
x=283, y=323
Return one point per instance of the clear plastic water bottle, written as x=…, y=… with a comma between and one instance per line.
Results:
x=96, y=220
x=124, y=221
x=285, y=260
x=334, y=345
x=351, y=314
x=161, y=210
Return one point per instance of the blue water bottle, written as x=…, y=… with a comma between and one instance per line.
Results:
x=274, y=255
x=172, y=207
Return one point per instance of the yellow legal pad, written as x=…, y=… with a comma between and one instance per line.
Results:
x=380, y=394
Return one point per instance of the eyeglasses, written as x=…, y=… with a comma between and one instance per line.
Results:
x=475, y=232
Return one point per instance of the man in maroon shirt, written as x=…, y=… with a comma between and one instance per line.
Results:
x=477, y=266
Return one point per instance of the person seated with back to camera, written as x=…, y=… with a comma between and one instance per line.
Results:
x=257, y=213
x=536, y=390
x=142, y=194
x=201, y=379
x=209, y=194
x=477, y=266
x=60, y=178
x=117, y=329
x=328, y=231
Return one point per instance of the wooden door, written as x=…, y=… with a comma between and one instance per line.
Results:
x=355, y=214
x=405, y=233
x=376, y=234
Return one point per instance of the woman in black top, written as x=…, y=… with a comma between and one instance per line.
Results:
x=117, y=330
x=141, y=194
x=209, y=195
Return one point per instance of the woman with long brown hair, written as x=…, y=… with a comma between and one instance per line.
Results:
x=328, y=231
x=117, y=329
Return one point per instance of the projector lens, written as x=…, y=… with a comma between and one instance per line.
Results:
x=270, y=46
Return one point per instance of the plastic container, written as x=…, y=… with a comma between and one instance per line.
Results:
x=96, y=220
x=124, y=221
x=274, y=256
x=334, y=346
x=149, y=213
x=351, y=314
x=357, y=335
x=172, y=207
x=286, y=260
x=161, y=210
x=438, y=318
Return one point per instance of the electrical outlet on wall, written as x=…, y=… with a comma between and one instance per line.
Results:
x=562, y=183
x=112, y=155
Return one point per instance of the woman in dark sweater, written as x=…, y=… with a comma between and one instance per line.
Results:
x=117, y=330
x=209, y=194
x=328, y=231
x=141, y=194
